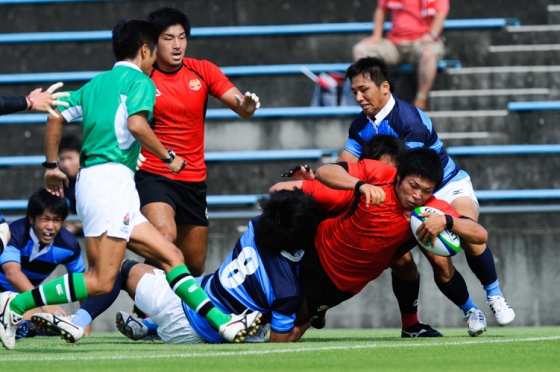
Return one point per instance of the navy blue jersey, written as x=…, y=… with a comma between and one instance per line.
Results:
x=402, y=120
x=37, y=263
x=252, y=279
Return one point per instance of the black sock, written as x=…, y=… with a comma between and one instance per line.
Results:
x=483, y=267
x=455, y=289
x=407, y=294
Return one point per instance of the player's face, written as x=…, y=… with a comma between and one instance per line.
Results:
x=369, y=96
x=69, y=162
x=46, y=226
x=172, y=45
x=414, y=191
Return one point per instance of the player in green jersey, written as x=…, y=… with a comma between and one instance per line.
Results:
x=115, y=107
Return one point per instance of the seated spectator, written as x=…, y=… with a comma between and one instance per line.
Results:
x=69, y=162
x=414, y=38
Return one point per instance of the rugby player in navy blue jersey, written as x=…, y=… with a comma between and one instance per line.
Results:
x=38, y=244
x=259, y=274
x=372, y=87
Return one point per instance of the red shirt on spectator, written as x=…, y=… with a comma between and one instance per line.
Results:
x=406, y=15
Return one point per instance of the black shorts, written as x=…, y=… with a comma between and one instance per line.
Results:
x=320, y=292
x=188, y=199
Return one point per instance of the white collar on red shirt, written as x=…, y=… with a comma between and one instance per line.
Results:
x=382, y=114
x=127, y=64
x=36, y=252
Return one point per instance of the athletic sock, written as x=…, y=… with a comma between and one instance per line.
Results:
x=493, y=289
x=95, y=306
x=82, y=318
x=152, y=327
x=456, y=290
x=468, y=305
x=483, y=267
x=406, y=293
x=184, y=286
x=62, y=290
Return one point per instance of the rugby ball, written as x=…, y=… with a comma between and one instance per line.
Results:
x=447, y=243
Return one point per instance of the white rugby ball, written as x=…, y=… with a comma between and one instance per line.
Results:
x=447, y=242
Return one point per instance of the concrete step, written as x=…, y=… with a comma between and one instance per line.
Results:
x=527, y=34
x=524, y=55
x=484, y=99
x=553, y=12
x=499, y=77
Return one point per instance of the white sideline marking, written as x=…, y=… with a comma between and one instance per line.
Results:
x=5, y=358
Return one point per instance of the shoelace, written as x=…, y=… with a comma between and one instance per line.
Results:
x=498, y=303
x=473, y=315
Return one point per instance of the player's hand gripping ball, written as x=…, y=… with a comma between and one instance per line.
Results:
x=447, y=243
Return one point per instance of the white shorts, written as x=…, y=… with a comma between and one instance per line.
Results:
x=107, y=201
x=155, y=298
x=455, y=189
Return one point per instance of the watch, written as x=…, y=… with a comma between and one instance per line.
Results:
x=171, y=157
x=50, y=164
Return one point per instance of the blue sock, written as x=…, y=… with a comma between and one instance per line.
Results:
x=468, y=305
x=493, y=289
x=82, y=318
x=152, y=327
x=95, y=306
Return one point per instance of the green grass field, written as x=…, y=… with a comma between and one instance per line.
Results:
x=500, y=349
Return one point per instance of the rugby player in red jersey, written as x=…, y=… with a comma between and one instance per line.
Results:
x=176, y=203
x=355, y=247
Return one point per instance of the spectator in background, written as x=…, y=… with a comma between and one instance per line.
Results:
x=414, y=38
x=37, y=100
x=37, y=246
x=69, y=162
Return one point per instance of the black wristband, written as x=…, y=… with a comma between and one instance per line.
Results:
x=50, y=164
x=358, y=185
x=449, y=222
x=171, y=157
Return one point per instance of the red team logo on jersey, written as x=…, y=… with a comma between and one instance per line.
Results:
x=195, y=84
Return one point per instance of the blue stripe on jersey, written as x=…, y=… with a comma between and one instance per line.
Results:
x=65, y=250
x=411, y=125
x=250, y=279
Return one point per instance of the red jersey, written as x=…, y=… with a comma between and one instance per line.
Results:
x=357, y=246
x=331, y=201
x=179, y=113
x=408, y=22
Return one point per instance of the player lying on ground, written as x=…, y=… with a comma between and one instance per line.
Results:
x=259, y=274
x=355, y=247
x=115, y=107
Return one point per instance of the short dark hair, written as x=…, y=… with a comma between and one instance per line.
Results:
x=383, y=144
x=422, y=162
x=166, y=17
x=70, y=143
x=288, y=222
x=129, y=36
x=374, y=68
x=42, y=200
